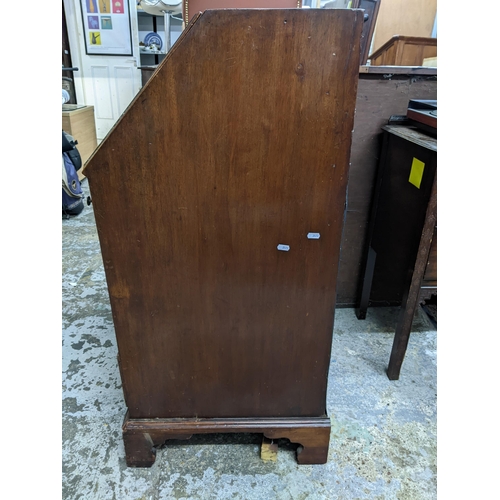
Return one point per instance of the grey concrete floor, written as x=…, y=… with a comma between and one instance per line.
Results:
x=383, y=438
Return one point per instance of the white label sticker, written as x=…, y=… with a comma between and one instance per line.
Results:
x=283, y=248
x=313, y=236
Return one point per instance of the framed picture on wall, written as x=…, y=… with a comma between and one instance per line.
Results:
x=106, y=26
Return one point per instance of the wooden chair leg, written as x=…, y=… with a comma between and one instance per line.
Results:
x=411, y=297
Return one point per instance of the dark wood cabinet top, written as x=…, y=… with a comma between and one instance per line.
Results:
x=413, y=135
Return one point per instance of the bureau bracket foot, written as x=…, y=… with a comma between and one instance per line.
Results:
x=142, y=436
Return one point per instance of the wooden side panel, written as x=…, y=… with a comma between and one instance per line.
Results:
x=429, y=51
x=389, y=56
x=239, y=143
x=414, y=54
x=404, y=51
x=378, y=98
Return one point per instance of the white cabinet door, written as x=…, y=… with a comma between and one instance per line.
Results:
x=109, y=83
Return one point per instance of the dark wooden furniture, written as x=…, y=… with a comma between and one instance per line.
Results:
x=219, y=199
x=371, y=8
x=402, y=225
x=382, y=92
x=404, y=51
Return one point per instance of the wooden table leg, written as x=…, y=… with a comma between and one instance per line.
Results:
x=411, y=299
x=402, y=336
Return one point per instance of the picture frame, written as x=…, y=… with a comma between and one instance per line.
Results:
x=106, y=27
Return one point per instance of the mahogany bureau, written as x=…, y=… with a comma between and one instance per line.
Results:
x=219, y=200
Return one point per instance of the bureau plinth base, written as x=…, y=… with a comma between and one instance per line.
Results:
x=142, y=436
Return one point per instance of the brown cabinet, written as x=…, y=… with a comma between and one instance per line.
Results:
x=404, y=51
x=78, y=121
x=219, y=199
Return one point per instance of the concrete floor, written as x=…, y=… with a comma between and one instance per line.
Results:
x=383, y=439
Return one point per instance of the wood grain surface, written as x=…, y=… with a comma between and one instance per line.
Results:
x=404, y=51
x=238, y=143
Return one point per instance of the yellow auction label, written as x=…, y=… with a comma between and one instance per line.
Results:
x=416, y=172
